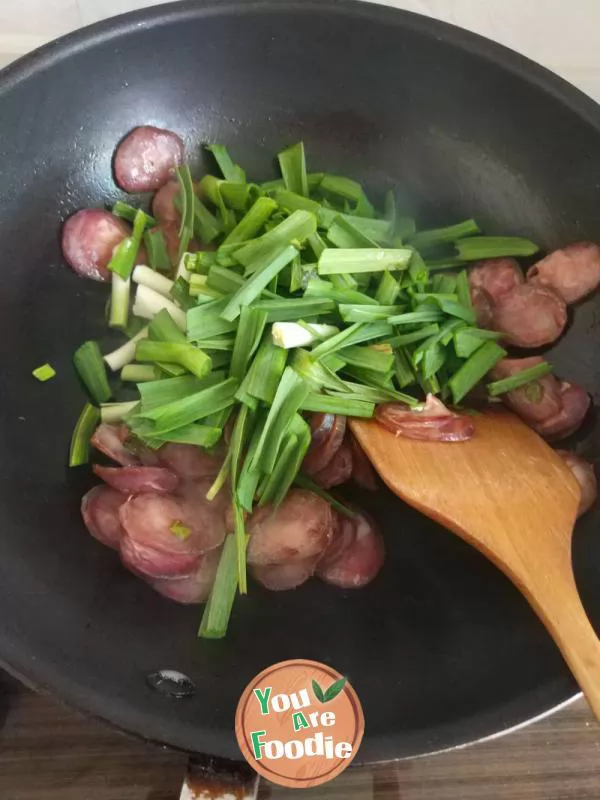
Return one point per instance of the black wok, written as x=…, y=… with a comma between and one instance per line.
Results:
x=441, y=648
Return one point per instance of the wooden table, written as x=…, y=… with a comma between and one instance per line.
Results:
x=49, y=752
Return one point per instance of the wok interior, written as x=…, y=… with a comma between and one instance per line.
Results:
x=440, y=648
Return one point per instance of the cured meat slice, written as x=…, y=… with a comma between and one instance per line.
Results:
x=530, y=316
x=110, y=440
x=163, y=204
x=148, y=562
x=146, y=158
x=359, y=562
x=327, y=436
x=535, y=402
x=299, y=529
x=189, y=461
x=100, y=512
x=363, y=472
x=89, y=238
x=172, y=524
x=431, y=422
x=136, y=480
x=573, y=272
x=496, y=276
x=194, y=588
x=574, y=405
x=338, y=470
x=586, y=478
x=282, y=577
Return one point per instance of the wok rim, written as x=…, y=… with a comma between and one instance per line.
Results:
x=15, y=657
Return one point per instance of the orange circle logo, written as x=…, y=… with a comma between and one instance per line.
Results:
x=299, y=723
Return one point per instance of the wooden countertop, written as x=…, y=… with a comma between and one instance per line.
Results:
x=50, y=752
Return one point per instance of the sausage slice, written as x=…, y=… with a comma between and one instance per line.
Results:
x=338, y=470
x=110, y=440
x=535, y=402
x=327, y=436
x=89, y=238
x=146, y=158
x=586, y=478
x=530, y=316
x=573, y=272
x=163, y=204
x=282, y=577
x=431, y=422
x=100, y=512
x=574, y=405
x=189, y=461
x=148, y=562
x=194, y=588
x=496, y=276
x=360, y=561
x=299, y=529
x=154, y=520
x=137, y=480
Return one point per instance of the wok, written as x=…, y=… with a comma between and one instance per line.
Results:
x=441, y=648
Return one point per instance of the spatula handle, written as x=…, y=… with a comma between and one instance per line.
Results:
x=560, y=609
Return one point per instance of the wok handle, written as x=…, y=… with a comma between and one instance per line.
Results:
x=219, y=779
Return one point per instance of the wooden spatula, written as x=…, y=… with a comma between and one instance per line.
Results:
x=508, y=494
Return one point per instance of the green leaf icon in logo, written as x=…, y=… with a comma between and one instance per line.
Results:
x=331, y=693
x=318, y=692
x=335, y=689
